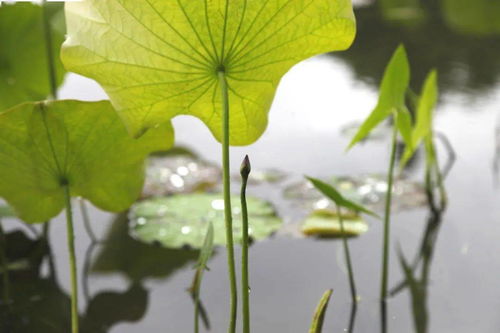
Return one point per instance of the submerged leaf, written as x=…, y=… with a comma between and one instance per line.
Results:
x=319, y=314
x=24, y=72
x=157, y=59
x=392, y=95
x=324, y=223
x=182, y=220
x=48, y=145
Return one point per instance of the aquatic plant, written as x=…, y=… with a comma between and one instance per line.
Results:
x=391, y=104
x=319, y=313
x=220, y=61
x=340, y=201
x=245, y=288
x=423, y=134
x=201, y=266
x=53, y=151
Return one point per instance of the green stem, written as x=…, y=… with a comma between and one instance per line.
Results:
x=245, y=288
x=5, y=267
x=387, y=217
x=227, y=202
x=51, y=67
x=347, y=253
x=196, y=313
x=196, y=308
x=72, y=261
x=86, y=221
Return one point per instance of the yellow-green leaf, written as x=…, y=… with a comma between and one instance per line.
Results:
x=49, y=144
x=423, y=125
x=392, y=94
x=160, y=58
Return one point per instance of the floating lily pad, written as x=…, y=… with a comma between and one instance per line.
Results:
x=173, y=174
x=182, y=220
x=326, y=223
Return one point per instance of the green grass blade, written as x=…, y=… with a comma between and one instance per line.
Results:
x=319, y=314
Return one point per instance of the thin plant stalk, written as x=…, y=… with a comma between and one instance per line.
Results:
x=352, y=283
x=51, y=67
x=245, y=288
x=196, y=313
x=86, y=221
x=5, y=267
x=227, y=202
x=352, y=317
x=72, y=261
x=387, y=217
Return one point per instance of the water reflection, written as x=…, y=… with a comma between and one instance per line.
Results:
x=37, y=303
x=137, y=261
x=436, y=35
x=417, y=273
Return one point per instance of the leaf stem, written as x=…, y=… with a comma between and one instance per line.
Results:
x=86, y=221
x=5, y=267
x=51, y=67
x=227, y=201
x=72, y=261
x=196, y=312
x=245, y=288
x=387, y=216
x=347, y=253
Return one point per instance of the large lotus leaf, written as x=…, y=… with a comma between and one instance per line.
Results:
x=183, y=220
x=160, y=58
x=47, y=145
x=24, y=74
x=478, y=17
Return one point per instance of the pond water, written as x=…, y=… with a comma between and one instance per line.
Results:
x=133, y=287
